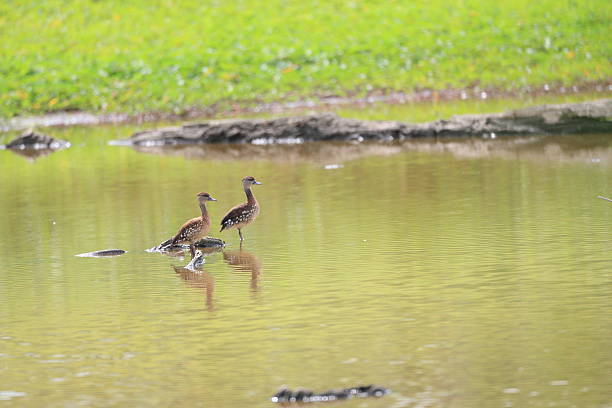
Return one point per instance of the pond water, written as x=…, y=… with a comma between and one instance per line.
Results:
x=458, y=273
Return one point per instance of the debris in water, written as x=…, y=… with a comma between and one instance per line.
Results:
x=285, y=395
x=104, y=252
x=197, y=262
x=7, y=395
x=333, y=166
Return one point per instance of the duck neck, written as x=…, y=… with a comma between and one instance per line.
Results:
x=204, y=210
x=249, y=194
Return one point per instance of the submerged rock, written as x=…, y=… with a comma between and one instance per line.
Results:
x=36, y=141
x=585, y=117
x=210, y=242
x=197, y=262
x=104, y=252
x=206, y=242
x=287, y=396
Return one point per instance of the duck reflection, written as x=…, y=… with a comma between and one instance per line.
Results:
x=198, y=279
x=179, y=251
x=194, y=275
x=244, y=261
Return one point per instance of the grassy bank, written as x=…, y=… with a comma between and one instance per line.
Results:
x=140, y=56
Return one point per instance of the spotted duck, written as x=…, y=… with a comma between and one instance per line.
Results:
x=243, y=214
x=196, y=228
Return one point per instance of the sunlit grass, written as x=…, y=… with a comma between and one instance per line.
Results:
x=164, y=55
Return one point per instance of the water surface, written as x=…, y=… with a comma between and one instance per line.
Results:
x=458, y=273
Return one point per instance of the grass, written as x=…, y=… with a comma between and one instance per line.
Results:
x=141, y=55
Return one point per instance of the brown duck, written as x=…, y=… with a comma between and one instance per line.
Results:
x=196, y=228
x=243, y=214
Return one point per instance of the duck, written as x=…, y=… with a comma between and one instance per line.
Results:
x=196, y=228
x=242, y=214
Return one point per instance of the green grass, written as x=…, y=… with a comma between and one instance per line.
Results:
x=144, y=55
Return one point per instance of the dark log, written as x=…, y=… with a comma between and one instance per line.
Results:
x=574, y=118
x=102, y=253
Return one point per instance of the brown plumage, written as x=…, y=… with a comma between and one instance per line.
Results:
x=243, y=214
x=196, y=228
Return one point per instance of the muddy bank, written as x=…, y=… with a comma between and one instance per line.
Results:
x=312, y=103
x=574, y=118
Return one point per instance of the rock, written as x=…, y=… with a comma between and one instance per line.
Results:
x=206, y=242
x=585, y=117
x=197, y=262
x=285, y=396
x=36, y=141
x=210, y=242
x=104, y=252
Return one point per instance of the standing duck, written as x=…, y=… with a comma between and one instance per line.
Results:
x=196, y=228
x=243, y=214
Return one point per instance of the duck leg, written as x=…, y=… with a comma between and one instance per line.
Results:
x=192, y=249
x=240, y=233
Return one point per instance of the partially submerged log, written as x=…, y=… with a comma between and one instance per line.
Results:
x=102, y=253
x=585, y=117
x=569, y=118
x=286, y=396
x=32, y=140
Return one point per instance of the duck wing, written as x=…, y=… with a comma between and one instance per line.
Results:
x=237, y=214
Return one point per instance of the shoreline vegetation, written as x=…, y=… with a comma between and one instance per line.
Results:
x=206, y=57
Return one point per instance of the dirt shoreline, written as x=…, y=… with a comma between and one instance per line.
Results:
x=314, y=103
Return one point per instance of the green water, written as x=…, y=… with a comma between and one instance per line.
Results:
x=458, y=273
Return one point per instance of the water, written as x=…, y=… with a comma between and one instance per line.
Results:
x=458, y=273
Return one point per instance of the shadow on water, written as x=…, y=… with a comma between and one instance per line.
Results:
x=566, y=148
x=182, y=251
x=200, y=280
x=197, y=277
x=572, y=148
x=245, y=262
x=307, y=152
x=32, y=155
x=241, y=261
